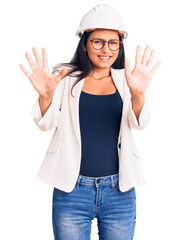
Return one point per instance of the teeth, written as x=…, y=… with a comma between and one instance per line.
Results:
x=104, y=57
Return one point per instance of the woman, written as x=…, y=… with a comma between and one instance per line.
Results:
x=92, y=161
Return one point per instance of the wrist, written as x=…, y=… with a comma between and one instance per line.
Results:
x=137, y=100
x=137, y=96
x=46, y=97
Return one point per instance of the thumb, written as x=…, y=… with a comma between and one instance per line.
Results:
x=61, y=75
x=127, y=66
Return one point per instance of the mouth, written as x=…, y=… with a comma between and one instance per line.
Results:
x=104, y=58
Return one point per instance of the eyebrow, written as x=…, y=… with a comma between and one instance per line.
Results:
x=107, y=40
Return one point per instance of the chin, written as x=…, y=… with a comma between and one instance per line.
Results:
x=103, y=65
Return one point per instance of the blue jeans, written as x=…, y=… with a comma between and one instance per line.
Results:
x=94, y=197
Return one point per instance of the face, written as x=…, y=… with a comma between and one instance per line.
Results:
x=95, y=56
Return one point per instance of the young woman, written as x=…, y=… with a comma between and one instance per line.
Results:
x=93, y=102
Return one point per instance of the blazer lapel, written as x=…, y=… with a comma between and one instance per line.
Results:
x=118, y=78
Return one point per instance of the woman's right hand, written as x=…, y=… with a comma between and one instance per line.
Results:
x=42, y=80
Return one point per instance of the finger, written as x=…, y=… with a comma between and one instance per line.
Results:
x=156, y=67
x=37, y=57
x=145, y=55
x=31, y=62
x=45, y=58
x=61, y=74
x=27, y=73
x=151, y=58
x=138, y=56
x=127, y=66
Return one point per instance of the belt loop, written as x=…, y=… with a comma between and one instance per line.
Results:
x=112, y=182
x=78, y=180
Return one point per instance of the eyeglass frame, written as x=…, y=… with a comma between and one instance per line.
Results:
x=104, y=41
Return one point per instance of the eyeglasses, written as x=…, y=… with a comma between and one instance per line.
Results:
x=98, y=43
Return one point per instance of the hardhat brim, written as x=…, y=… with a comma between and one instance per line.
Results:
x=79, y=32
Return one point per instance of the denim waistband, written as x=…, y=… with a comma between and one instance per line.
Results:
x=104, y=180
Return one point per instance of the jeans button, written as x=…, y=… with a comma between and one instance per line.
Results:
x=99, y=180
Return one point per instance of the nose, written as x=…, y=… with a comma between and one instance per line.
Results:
x=106, y=47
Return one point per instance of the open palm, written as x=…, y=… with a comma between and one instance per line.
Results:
x=42, y=80
x=141, y=76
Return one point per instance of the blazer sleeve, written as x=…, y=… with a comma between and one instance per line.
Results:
x=51, y=117
x=144, y=117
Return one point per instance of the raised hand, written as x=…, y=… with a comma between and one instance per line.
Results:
x=42, y=80
x=141, y=76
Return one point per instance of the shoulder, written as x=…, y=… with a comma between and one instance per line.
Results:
x=117, y=70
x=120, y=73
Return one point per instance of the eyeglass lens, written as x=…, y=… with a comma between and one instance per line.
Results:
x=113, y=44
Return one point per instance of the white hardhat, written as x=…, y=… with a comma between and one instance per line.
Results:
x=102, y=16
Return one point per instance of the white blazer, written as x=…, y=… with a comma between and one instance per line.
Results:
x=61, y=164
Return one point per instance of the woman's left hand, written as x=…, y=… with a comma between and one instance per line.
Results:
x=142, y=74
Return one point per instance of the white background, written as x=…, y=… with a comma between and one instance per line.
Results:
x=26, y=202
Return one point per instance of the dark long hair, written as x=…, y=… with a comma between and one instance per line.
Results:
x=81, y=62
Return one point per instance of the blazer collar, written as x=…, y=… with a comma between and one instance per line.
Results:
x=117, y=76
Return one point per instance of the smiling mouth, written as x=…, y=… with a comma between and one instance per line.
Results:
x=105, y=59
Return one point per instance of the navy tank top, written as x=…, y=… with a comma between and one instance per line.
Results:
x=100, y=119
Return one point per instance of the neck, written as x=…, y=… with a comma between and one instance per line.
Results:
x=99, y=73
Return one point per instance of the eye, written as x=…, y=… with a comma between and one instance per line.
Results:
x=97, y=41
x=113, y=42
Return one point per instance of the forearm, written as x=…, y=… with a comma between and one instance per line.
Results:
x=44, y=104
x=137, y=103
